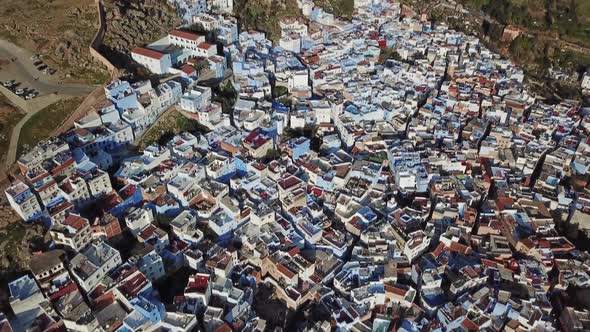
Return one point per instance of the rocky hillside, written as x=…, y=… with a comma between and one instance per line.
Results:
x=265, y=15
x=341, y=8
x=553, y=36
x=17, y=242
x=133, y=23
x=60, y=30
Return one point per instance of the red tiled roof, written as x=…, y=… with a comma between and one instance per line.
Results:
x=460, y=248
x=395, y=290
x=469, y=325
x=189, y=70
x=75, y=221
x=224, y=328
x=184, y=35
x=147, y=52
x=199, y=284
x=284, y=270
x=204, y=45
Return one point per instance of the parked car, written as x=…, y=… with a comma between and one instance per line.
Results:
x=20, y=92
x=42, y=67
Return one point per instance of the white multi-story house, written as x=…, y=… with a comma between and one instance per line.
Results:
x=293, y=26
x=48, y=266
x=417, y=243
x=150, y=263
x=185, y=227
x=207, y=21
x=206, y=50
x=196, y=99
x=169, y=93
x=98, y=182
x=221, y=6
x=586, y=81
x=92, y=264
x=227, y=30
x=76, y=190
x=291, y=43
x=154, y=61
x=74, y=232
x=188, y=8
x=199, y=288
x=23, y=201
x=138, y=218
x=219, y=165
x=186, y=40
x=25, y=295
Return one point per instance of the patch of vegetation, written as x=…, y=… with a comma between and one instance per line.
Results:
x=340, y=8
x=10, y=115
x=13, y=236
x=226, y=95
x=555, y=34
x=279, y=91
x=14, y=251
x=389, y=53
x=378, y=157
x=41, y=125
x=568, y=18
x=263, y=15
x=308, y=132
x=575, y=61
x=171, y=123
x=272, y=154
x=526, y=50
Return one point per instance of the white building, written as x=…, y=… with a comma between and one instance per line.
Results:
x=187, y=40
x=151, y=265
x=207, y=21
x=23, y=201
x=196, y=99
x=586, y=82
x=185, y=227
x=291, y=43
x=91, y=265
x=74, y=232
x=99, y=183
x=138, y=219
x=298, y=80
x=221, y=6
x=206, y=50
x=416, y=245
x=154, y=61
x=293, y=26
x=25, y=295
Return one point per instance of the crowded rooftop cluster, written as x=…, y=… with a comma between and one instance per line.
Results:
x=384, y=173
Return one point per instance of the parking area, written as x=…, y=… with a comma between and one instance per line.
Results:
x=41, y=66
x=27, y=70
x=26, y=93
x=26, y=90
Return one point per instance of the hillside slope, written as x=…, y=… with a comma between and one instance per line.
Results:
x=60, y=30
x=132, y=23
